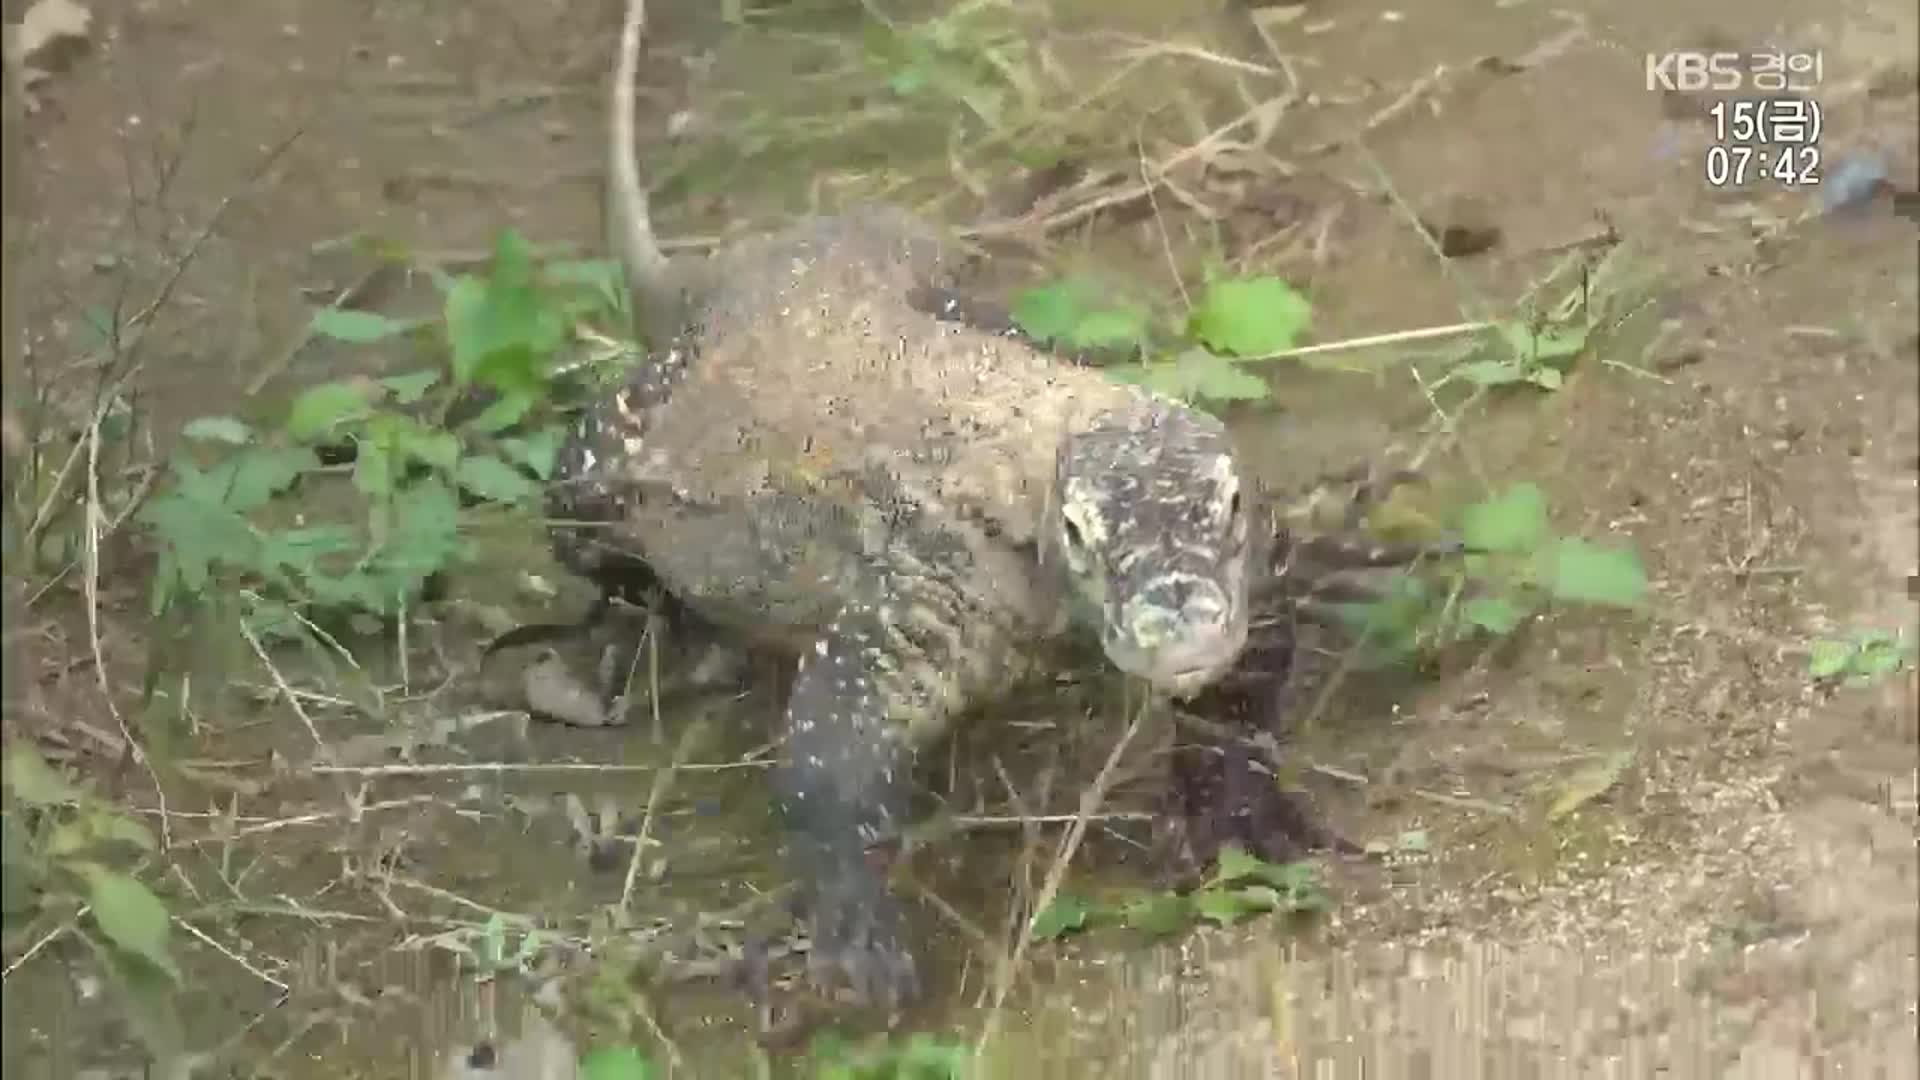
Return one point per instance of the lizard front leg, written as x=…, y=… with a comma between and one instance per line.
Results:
x=844, y=787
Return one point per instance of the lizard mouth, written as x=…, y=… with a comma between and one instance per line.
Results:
x=1180, y=633
x=1183, y=665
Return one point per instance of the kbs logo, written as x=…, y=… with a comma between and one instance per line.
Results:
x=1691, y=72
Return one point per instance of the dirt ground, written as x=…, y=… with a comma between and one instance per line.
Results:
x=1742, y=898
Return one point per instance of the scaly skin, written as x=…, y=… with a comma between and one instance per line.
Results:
x=914, y=507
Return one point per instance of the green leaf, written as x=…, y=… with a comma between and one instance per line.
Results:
x=1513, y=522
x=224, y=429
x=464, y=312
x=1115, y=329
x=439, y=449
x=1297, y=882
x=1159, y=914
x=196, y=528
x=393, y=441
x=410, y=387
x=1391, y=624
x=130, y=915
x=165, y=586
x=1297, y=878
x=1228, y=906
x=1497, y=615
x=615, y=1063
x=35, y=782
x=518, y=369
x=1234, y=864
x=254, y=477
x=67, y=839
x=503, y=330
x=1067, y=914
x=1877, y=654
x=934, y=1059
x=322, y=408
x=590, y=273
x=425, y=539
x=358, y=327
x=25, y=873
x=1830, y=659
x=1548, y=345
x=303, y=549
x=1254, y=316
x=1050, y=312
x=411, y=440
x=509, y=409
x=95, y=826
x=539, y=452
x=908, y=81
x=1307, y=895
x=362, y=591
x=376, y=469
x=1588, y=573
x=1261, y=897
x=431, y=509
x=1490, y=372
x=1195, y=374
x=114, y=828
x=1867, y=656
x=512, y=266
x=493, y=479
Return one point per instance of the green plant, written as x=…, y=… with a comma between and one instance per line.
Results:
x=1202, y=358
x=920, y=1057
x=491, y=950
x=1859, y=659
x=1514, y=566
x=1071, y=312
x=1541, y=348
x=416, y=454
x=974, y=57
x=1536, y=353
x=1241, y=886
x=69, y=861
x=615, y=1063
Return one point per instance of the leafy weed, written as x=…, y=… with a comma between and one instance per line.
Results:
x=496, y=948
x=972, y=59
x=1203, y=358
x=616, y=1063
x=71, y=857
x=1541, y=349
x=1241, y=886
x=1514, y=568
x=1860, y=659
x=1520, y=353
x=419, y=467
x=919, y=1057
